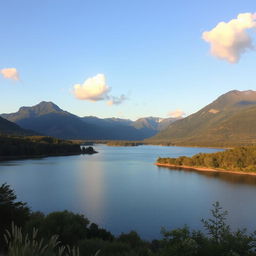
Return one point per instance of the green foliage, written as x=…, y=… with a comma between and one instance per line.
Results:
x=11, y=210
x=236, y=159
x=216, y=226
x=124, y=143
x=19, y=244
x=220, y=240
x=95, y=232
x=132, y=238
x=179, y=242
x=69, y=227
x=35, y=146
x=53, y=234
x=90, y=247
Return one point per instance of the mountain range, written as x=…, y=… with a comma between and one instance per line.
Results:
x=48, y=119
x=229, y=120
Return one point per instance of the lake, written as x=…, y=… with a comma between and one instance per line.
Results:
x=121, y=189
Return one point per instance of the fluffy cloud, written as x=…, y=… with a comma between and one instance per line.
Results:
x=229, y=40
x=96, y=89
x=10, y=73
x=93, y=89
x=177, y=113
x=116, y=100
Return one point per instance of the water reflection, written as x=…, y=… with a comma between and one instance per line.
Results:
x=227, y=177
x=91, y=189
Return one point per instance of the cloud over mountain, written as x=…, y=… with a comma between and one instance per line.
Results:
x=96, y=89
x=177, y=113
x=92, y=89
x=10, y=73
x=229, y=40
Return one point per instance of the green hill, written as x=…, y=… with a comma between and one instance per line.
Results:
x=229, y=120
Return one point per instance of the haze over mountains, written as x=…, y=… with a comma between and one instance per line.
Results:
x=48, y=119
x=229, y=120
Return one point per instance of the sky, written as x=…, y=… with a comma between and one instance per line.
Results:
x=126, y=59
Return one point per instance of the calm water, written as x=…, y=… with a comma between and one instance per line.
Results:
x=121, y=190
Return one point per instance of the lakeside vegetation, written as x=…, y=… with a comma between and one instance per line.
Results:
x=123, y=143
x=120, y=143
x=242, y=159
x=12, y=147
x=117, y=143
x=27, y=233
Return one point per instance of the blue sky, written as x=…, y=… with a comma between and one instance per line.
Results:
x=152, y=52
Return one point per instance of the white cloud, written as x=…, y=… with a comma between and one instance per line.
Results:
x=177, y=113
x=92, y=89
x=116, y=100
x=10, y=73
x=95, y=89
x=229, y=40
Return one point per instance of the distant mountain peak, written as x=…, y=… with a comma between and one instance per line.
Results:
x=48, y=105
x=44, y=107
x=240, y=93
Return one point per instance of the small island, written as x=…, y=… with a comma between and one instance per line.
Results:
x=239, y=160
x=88, y=151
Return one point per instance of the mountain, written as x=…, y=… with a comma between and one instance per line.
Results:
x=109, y=122
x=154, y=123
x=7, y=127
x=229, y=120
x=48, y=119
x=40, y=109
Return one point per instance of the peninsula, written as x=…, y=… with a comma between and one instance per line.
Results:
x=239, y=160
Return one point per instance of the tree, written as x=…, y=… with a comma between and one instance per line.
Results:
x=179, y=242
x=217, y=226
x=68, y=226
x=11, y=210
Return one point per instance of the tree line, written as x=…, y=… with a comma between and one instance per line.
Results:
x=237, y=159
x=11, y=146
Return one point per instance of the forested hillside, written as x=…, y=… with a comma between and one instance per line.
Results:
x=228, y=121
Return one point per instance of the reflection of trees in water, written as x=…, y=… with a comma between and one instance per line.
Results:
x=231, y=178
x=227, y=177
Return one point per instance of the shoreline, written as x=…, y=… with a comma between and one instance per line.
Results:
x=205, y=169
x=24, y=157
